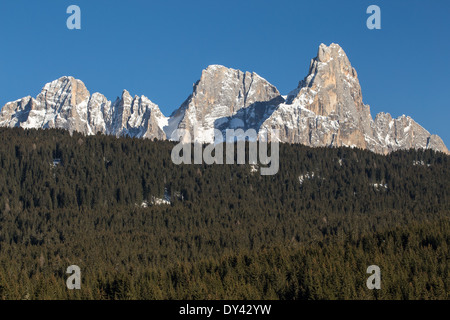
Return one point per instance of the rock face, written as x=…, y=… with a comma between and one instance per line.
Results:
x=402, y=133
x=326, y=109
x=223, y=98
x=67, y=104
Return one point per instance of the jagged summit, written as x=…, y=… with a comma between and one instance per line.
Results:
x=326, y=109
x=67, y=104
x=325, y=53
x=220, y=94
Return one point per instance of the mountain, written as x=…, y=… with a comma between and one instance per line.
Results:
x=224, y=98
x=326, y=109
x=67, y=104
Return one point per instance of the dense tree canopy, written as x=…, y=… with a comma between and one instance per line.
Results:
x=308, y=232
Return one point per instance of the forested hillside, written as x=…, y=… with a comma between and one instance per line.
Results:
x=140, y=227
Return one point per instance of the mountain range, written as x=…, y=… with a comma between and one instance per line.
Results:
x=326, y=109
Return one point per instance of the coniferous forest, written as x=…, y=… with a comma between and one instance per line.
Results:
x=141, y=227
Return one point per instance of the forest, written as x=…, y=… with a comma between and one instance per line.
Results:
x=141, y=227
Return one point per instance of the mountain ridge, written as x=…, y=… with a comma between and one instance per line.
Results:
x=326, y=109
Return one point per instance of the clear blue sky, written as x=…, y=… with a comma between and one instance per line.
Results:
x=159, y=48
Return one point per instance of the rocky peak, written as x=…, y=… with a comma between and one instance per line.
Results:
x=233, y=88
x=139, y=117
x=332, y=83
x=66, y=103
x=220, y=94
x=326, y=109
x=66, y=89
x=402, y=133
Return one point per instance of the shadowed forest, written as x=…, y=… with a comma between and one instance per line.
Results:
x=140, y=227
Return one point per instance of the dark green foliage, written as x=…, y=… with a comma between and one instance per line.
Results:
x=228, y=232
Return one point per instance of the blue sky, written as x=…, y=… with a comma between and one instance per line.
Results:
x=159, y=48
